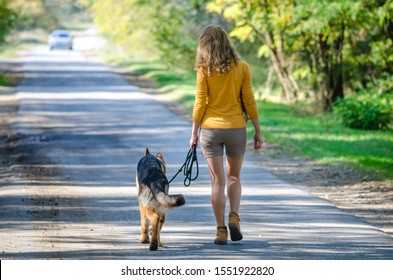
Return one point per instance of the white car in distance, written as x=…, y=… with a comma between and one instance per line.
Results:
x=60, y=39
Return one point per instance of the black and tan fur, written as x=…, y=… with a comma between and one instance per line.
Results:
x=152, y=187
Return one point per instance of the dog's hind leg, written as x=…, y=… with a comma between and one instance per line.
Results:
x=154, y=218
x=144, y=226
x=161, y=223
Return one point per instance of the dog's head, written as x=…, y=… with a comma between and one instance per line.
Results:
x=160, y=157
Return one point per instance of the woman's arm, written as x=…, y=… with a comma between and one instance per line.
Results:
x=247, y=94
x=199, y=107
x=200, y=97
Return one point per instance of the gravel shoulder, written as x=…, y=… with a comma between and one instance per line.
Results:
x=354, y=192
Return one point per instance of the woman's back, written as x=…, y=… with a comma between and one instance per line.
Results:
x=220, y=92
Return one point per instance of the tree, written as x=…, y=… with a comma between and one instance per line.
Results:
x=265, y=22
x=322, y=27
x=7, y=17
x=177, y=27
x=44, y=14
x=369, y=63
x=168, y=28
x=313, y=38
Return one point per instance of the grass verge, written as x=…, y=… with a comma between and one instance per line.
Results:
x=322, y=137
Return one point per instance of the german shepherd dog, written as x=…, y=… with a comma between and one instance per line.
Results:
x=152, y=186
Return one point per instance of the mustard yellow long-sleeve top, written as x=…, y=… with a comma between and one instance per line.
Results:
x=217, y=102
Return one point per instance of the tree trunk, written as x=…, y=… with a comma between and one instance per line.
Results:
x=288, y=85
x=268, y=84
x=332, y=86
x=330, y=69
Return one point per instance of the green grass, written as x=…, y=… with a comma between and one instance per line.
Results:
x=321, y=136
x=9, y=51
x=3, y=81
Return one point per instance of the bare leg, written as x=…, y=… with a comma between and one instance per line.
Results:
x=218, y=188
x=234, y=165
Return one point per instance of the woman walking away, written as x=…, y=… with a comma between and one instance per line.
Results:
x=222, y=81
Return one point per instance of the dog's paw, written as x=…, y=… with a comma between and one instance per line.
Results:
x=153, y=246
x=144, y=240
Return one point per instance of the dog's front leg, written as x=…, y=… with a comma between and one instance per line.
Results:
x=144, y=226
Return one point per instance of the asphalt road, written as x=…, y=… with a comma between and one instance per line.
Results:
x=70, y=194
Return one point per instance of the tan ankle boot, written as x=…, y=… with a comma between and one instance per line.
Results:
x=234, y=227
x=222, y=236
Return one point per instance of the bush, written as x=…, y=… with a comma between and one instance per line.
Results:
x=365, y=110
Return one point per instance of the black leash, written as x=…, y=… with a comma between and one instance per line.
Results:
x=190, y=159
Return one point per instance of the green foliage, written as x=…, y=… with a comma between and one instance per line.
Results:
x=43, y=14
x=7, y=17
x=167, y=29
x=127, y=22
x=175, y=34
x=365, y=110
x=369, y=53
x=343, y=43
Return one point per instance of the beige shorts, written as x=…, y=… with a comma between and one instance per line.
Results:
x=213, y=142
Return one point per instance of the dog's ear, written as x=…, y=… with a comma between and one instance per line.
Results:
x=160, y=157
x=147, y=151
x=163, y=165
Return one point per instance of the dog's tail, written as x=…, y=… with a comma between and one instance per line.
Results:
x=170, y=201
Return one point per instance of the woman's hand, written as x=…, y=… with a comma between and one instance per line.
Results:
x=194, y=140
x=257, y=137
x=258, y=141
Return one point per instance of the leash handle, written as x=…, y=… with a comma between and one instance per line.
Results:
x=190, y=159
x=188, y=166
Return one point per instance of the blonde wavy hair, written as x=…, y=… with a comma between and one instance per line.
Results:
x=215, y=51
